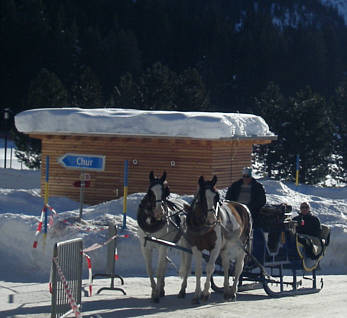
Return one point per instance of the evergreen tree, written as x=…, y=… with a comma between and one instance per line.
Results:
x=190, y=92
x=128, y=53
x=28, y=150
x=340, y=120
x=160, y=88
x=271, y=105
x=305, y=128
x=309, y=133
x=237, y=47
x=46, y=90
x=157, y=86
x=127, y=94
x=87, y=91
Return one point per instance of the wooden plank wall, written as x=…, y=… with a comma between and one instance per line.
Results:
x=184, y=160
x=228, y=160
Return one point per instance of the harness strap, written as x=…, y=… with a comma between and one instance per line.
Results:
x=178, y=229
x=262, y=268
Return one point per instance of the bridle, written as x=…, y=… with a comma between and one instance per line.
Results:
x=156, y=202
x=156, y=210
x=201, y=199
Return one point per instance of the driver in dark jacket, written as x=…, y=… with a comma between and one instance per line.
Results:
x=250, y=192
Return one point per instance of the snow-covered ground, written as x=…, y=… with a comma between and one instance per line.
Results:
x=23, y=268
x=21, y=205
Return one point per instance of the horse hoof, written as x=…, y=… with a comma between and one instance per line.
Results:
x=162, y=293
x=229, y=296
x=156, y=300
x=181, y=294
x=205, y=297
x=195, y=301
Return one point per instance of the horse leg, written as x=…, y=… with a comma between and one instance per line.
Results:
x=198, y=272
x=212, y=263
x=209, y=271
x=186, y=261
x=162, y=264
x=147, y=253
x=225, y=255
x=238, y=270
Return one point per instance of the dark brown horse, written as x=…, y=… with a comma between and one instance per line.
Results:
x=222, y=228
x=162, y=218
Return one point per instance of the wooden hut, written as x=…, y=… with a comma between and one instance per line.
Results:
x=184, y=156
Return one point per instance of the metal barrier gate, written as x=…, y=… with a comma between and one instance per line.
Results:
x=66, y=278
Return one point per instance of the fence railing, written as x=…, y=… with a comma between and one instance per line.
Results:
x=66, y=278
x=12, y=161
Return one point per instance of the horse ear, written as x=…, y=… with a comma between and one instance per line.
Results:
x=201, y=181
x=163, y=177
x=214, y=180
x=151, y=176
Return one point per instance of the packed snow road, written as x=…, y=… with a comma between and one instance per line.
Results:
x=33, y=300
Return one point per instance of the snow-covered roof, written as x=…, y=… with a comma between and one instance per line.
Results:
x=116, y=121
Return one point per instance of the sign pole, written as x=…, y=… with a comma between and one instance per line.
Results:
x=45, y=209
x=125, y=194
x=81, y=193
x=297, y=170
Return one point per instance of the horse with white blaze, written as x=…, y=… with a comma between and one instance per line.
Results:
x=163, y=218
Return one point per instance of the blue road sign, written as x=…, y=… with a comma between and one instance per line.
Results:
x=82, y=162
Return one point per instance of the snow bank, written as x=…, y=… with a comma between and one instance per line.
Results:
x=20, y=210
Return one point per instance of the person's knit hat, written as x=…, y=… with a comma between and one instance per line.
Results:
x=247, y=171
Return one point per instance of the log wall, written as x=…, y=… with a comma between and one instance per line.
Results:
x=184, y=160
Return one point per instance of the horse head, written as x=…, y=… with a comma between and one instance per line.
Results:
x=156, y=195
x=205, y=202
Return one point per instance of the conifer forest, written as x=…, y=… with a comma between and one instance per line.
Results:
x=284, y=60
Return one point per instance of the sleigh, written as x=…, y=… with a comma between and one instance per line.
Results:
x=282, y=262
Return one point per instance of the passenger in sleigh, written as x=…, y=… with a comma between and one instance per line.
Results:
x=309, y=231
